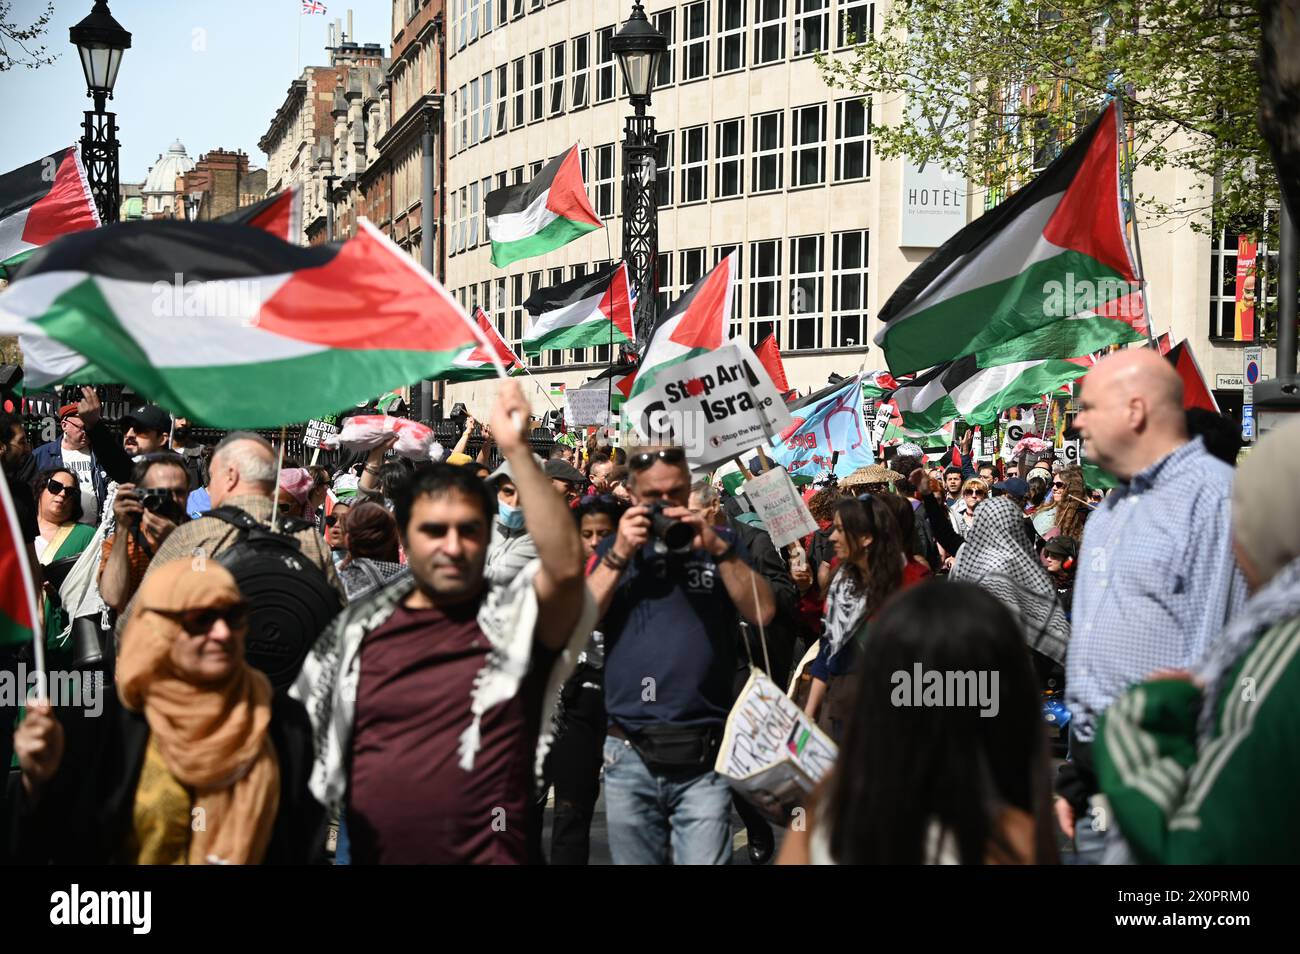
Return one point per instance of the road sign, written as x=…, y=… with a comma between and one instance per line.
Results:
x=1253, y=361
x=1248, y=422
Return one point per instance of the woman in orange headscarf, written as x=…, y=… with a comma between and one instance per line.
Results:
x=192, y=762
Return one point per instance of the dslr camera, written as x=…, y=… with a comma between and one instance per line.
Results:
x=676, y=536
x=159, y=501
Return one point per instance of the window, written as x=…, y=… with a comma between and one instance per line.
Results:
x=517, y=175
x=472, y=240
x=695, y=155
x=455, y=122
x=473, y=19
x=518, y=118
x=769, y=31
x=849, y=290
x=503, y=12
x=852, y=150
x=557, y=80
x=731, y=35
x=719, y=253
x=485, y=109
x=515, y=336
x=534, y=168
x=537, y=79
x=605, y=65
x=806, y=281
x=480, y=210
x=729, y=156
x=692, y=269
x=808, y=146
x=462, y=24
x=695, y=41
x=769, y=152
x=502, y=100
x=664, y=24
x=581, y=64
x=605, y=181
x=811, y=19
x=473, y=112
x=535, y=5
x=488, y=20
x=463, y=213
x=667, y=291
x=664, y=169
x=764, y=289
x=856, y=18
x=1223, y=283
x=516, y=8
x=466, y=113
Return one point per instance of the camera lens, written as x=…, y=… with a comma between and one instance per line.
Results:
x=677, y=536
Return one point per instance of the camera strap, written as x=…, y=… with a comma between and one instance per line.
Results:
x=138, y=536
x=762, y=632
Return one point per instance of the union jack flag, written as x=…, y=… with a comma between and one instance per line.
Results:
x=312, y=6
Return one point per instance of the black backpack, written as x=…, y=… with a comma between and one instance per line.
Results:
x=291, y=598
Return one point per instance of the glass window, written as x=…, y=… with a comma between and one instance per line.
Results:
x=557, y=80
x=695, y=40
x=518, y=118
x=485, y=108
x=480, y=210
x=731, y=35
x=806, y=282
x=769, y=31
x=517, y=175
x=473, y=112
x=764, y=289
x=472, y=241
x=605, y=65
x=808, y=146
x=769, y=152
x=488, y=21
x=849, y=290
x=605, y=181
x=668, y=292
x=503, y=98
x=730, y=161
x=695, y=156
x=664, y=169
x=537, y=79
x=856, y=19
x=581, y=65
x=516, y=9
x=664, y=24
x=692, y=269
x=852, y=149
x=516, y=332
x=473, y=19
x=811, y=20
x=719, y=253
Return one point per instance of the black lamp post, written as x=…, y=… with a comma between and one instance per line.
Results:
x=639, y=48
x=101, y=41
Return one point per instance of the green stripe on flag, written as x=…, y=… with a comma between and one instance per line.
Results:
x=12, y=262
x=589, y=334
x=557, y=233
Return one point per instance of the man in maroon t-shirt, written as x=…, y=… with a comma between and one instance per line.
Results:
x=428, y=697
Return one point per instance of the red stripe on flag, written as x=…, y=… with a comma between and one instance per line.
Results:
x=498, y=344
x=702, y=324
x=567, y=196
x=769, y=355
x=16, y=600
x=1196, y=393
x=278, y=218
x=66, y=208
x=616, y=303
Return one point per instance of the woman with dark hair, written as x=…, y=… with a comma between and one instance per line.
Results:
x=61, y=540
x=370, y=533
x=917, y=567
x=954, y=776
x=1037, y=494
x=868, y=569
x=1067, y=509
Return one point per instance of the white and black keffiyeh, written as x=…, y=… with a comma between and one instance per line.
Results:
x=999, y=557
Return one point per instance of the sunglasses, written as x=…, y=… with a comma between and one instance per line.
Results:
x=1057, y=485
x=331, y=520
x=199, y=621
x=974, y=493
x=56, y=488
x=643, y=461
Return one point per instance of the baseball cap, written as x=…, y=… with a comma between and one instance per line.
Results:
x=1014, y=486
x=1061, y=546
x=150, y=417
x=563, y=470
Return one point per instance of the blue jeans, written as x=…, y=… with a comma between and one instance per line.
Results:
x=648, y=814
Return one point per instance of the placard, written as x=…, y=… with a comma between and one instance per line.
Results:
x=1017, y=430
x=317, y=430
x=775, y=499
x=1068, y=453
x=587, y=406
x=884, y=414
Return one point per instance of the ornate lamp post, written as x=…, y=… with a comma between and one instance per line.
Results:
x=639, y=48
x=101, y=41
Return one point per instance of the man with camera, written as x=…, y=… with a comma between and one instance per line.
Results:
x=671, y=591
x=146, y=510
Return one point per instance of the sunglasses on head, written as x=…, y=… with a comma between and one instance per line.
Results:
x=645, y=460
x=56, y=488
x=199, y=621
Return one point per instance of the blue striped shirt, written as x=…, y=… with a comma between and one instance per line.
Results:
x=1156, y=582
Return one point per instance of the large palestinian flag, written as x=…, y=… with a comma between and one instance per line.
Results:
x=254, y=333
x=542, y=215
x=41, y=201
x=584, y=313
x=696, y=323
x=1055, y=250
x=280, y=214
x=478, y=364
x=18, y=619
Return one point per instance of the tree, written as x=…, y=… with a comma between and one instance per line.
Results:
x=1019, y=78
x=12, y=36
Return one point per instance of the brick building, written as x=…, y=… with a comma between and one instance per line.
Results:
x=221, y=182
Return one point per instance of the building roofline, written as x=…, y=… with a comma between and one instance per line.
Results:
x=297, y=91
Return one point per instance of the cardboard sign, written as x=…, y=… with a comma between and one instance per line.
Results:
x=1017, y=430
x=716, y=406
x=785, y=515
x=316, y=431
x=977, y=445
x=587, y=406
x=1068, y=452
x=772, y=753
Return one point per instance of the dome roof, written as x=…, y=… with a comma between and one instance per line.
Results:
x=162, y=177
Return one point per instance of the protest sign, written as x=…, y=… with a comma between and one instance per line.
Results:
x=716, y=406
x=317, y=430
x=1068, y=452
x=771, y=752
x=884, y=414
x=587, y=406
x=775, y=499
x=1020, y=428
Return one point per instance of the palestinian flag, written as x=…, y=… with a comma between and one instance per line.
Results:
x=877, y=384
x=696, y=323
x=584, y=313
x=18, y=619
x=1196, y=393
x=478, y=365
x=769, y=355
x=41, y=201
x=254, y=333
x=622, y=377
x=280, y=214
x=1054, y=250
x=963, y=388
x=542, y=215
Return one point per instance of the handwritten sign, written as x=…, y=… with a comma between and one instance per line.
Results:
x=772, y=753
x=587, y=406
x=775, y=499
x=316, y=431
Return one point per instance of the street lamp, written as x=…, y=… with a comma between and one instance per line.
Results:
x=639, y=48
x=101, y=41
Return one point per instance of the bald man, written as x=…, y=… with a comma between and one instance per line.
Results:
x=1157, y=581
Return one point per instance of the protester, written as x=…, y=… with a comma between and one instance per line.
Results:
x=60, y=537
x=74, y=452
x=987, y=472
x=1156, y=581
x=512, y=546
x=15, y=458
x=293, y=498
x=566, y=479
x=195, y=734
x=917, y=566
x=964, y=782
x=1059, y=559
x=431, y=698
x=335, y=538
x=196, y=464
x=1014, y=489
x=973, y=493
x=373, y=560
x=952, y=480
x=1066, y=512
x=146, y=511
x=1037, y=495
x=1221, y=434
x=671, y=631
x=869, y=571
x=601, y=469
x=1197, y=767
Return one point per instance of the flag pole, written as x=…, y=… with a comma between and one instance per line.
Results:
x=1133, y=217
x=275, y=497
x=21, y=550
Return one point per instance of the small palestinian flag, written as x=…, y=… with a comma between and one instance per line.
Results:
x=622, y=377
x=41, y=201
x=877, y=384
x=769, y=356
x=696, y=324
x=18, y=619
x=254, y=333
x=477, y=365
x=542, y=215
x=1053, y=251
x=1196, y=393
x=587, y=312
x=280, y=214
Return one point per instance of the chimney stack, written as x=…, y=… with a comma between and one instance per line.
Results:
x=350, y=40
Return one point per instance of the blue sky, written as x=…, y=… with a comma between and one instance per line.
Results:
x=210, y=74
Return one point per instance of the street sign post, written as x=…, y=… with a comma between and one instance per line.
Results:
x=1253, y=361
